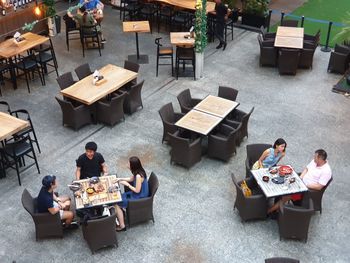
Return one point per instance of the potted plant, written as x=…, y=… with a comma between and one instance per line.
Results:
x=53, y=20
x=200, y=29
x=255, y=13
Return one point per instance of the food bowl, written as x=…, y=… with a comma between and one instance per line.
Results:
x=90, y=190
x=94, y=180
x=273, y=171
x=285, y=170
x=291, y=180
x=265, y=178
x=75, y=187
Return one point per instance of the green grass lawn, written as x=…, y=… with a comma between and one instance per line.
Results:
x=329, y=10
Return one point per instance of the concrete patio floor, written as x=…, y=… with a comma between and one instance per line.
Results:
x=194, y=216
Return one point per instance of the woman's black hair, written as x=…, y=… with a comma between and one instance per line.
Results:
x=136, y=167
x=280, y=141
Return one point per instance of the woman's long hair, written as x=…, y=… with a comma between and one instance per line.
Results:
x=136, y=167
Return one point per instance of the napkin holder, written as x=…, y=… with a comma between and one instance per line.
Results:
x=99, y=81
x=19, y=41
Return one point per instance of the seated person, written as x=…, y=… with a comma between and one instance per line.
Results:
x=84, y=18
x=270, y=157
x=47, y=201
x=315, y=176
x=90, y=163
x=92, y=4
x=138, y=185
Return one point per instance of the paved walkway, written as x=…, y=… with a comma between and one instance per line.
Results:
x=286, y=6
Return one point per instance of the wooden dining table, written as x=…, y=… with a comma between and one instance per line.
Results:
x=199, y=122
x=289, y=37
x=107, y=194
x=9, y=49
x=9, y=125
x=272, y=189
x=86, y=92
x=137, y=27
x=216, y=106
x=182, y=39
x=188, y=4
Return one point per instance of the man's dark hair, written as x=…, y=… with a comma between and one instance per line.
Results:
x=322, y=154
x=48, y=180
x=82, y=9
x=91, y=146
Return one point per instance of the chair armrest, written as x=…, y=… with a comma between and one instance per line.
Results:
x=217, y=138
x=103, y=104
x=196, y=141
x=195, y=101
x=79, y=108
x=46, y=217
x=178, y=115
x=139, y=203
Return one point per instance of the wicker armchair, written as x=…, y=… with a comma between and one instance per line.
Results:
x=141, y=210
x=169, y=118
x=133, y=99
x=46, y=224
x=183, y=151
x=110, y=112
x=252, y=207
x=186, y=101
x=316, y=196
x=254, y=151
x=227, y=93
x=100, y=232
x=339, y=59
x=293, y=221
x=288, y=60
x=268, y=53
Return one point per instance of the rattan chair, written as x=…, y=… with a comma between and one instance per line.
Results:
x=83, y=71
x=184, y=151
x=186, y=101
x=281, y=260
x=240, y=117
x=110, y=112
x=339, y=59
x=293, y=221
x=254, y=151
x=251, y=207
x=316, y=196
x=133, y=100
x=46, y=224
x=288, y=60
x=74, y=117
x=169, y=118
x=141, y=210
x=227, y=93
x=268, y=53
x=290, y=23
x=222, y=142
x=100, y=232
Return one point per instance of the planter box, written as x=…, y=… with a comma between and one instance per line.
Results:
x=254, y=20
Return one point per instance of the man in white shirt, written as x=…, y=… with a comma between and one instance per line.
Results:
x=315, y=176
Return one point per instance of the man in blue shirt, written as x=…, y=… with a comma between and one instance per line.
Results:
x=47, y=201
x=92, y=4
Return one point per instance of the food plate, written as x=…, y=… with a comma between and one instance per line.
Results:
x=278, y=180
x=75, y=186
x=90, y=190
x=285, y=170
x=94, y=180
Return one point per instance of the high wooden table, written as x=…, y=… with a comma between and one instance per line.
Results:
x=271, y=189
x=289, y=37
x=188, y=4
x=8, y=49
x=216, y=106
x=103, y=197
x=10, y=125
x=199, y=122
x=137, y=27
x=180, y=39
x=88, y=93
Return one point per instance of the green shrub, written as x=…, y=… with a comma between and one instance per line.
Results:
x=256, y=7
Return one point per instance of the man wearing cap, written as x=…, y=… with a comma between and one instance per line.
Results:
x=47, y=201
x=91, y=163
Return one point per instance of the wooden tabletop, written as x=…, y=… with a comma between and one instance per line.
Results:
x=88, y=93
x=289, y=37
x=285, y=31
x=217, y=106
x=10, y=125
x=199, y=122
x=178, y=39
x=188, y=4
x=98, y=198
x=289, y=42
x=9, y=49
x=136, y=27
x=271, y=189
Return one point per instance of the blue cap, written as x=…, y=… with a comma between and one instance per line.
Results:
x=48, y=180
